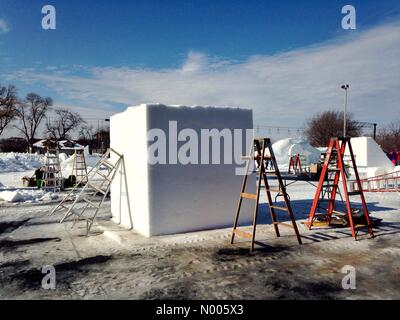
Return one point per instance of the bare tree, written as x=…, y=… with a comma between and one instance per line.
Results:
x=86, y=133
x=389, y=138
x=65, y=122
x=328, y=124
x=87, y=136
x=8, y=103
x=31, y=113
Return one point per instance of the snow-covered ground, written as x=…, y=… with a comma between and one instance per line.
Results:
x=115, y=263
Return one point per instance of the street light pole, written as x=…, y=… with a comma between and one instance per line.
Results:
x=345, y=87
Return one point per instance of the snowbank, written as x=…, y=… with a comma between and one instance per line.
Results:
x=284, y=149
x=67, y=163
x=15, y=162
x=27, y=195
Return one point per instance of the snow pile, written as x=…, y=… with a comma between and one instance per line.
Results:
x=67, y=164
x=284, y=149
x=27, y=195
x=16, y=162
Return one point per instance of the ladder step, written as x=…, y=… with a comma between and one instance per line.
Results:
x=273, y=190
x=97, y=188
x=354, y=193
x=64, y=206
x=103, y=175
x=91, y=203
x=270, y=173
x=279, y=208
x=243, y=234
x=249, y=196
x=339, y=212
x=109, y=164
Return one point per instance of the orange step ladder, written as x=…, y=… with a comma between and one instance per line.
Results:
x=334, y=164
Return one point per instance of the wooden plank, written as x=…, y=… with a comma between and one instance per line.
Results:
x=273, y=190
x=250, y=196
x=279, y=208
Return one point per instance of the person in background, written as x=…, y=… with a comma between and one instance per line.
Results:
x=393, y=157
x=39, y=176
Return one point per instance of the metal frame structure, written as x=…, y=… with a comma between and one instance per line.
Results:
x=389, y=182
x=79, y=168
x=99, y=181
x=52, y=176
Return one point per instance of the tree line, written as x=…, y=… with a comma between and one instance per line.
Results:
x=27, y=114
x=322, y=126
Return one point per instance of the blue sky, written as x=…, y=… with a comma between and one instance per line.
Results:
x=105, y=55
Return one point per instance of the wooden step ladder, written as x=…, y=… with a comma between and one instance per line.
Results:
x=52, y=176
x=258, y=154
x=334, y=165
x=79, y=168
x=94, y=192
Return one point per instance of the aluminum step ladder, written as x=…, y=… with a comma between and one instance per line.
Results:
x=79, y=168
x=52, y=176
x=93, y=194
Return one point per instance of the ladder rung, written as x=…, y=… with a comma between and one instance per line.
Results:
x=249, y=196
x=103, y=175
x=243, y=234
x=270, y=173
x=283, y=224
x=109, y=164
x=273, y=190
x=354, y=193
x=97, y=188
x=279, y=208
x=339, y=212
x=333, y=169
x=91, y=203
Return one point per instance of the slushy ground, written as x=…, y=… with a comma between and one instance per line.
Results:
x=114, y=263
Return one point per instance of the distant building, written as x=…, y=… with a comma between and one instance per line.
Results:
x=65, y=146
x=13, y=144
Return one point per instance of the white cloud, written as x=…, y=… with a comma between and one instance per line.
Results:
x=283, y=89
x=3, y=27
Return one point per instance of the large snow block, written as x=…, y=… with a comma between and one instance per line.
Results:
x=182, y=189
x=368, y=154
